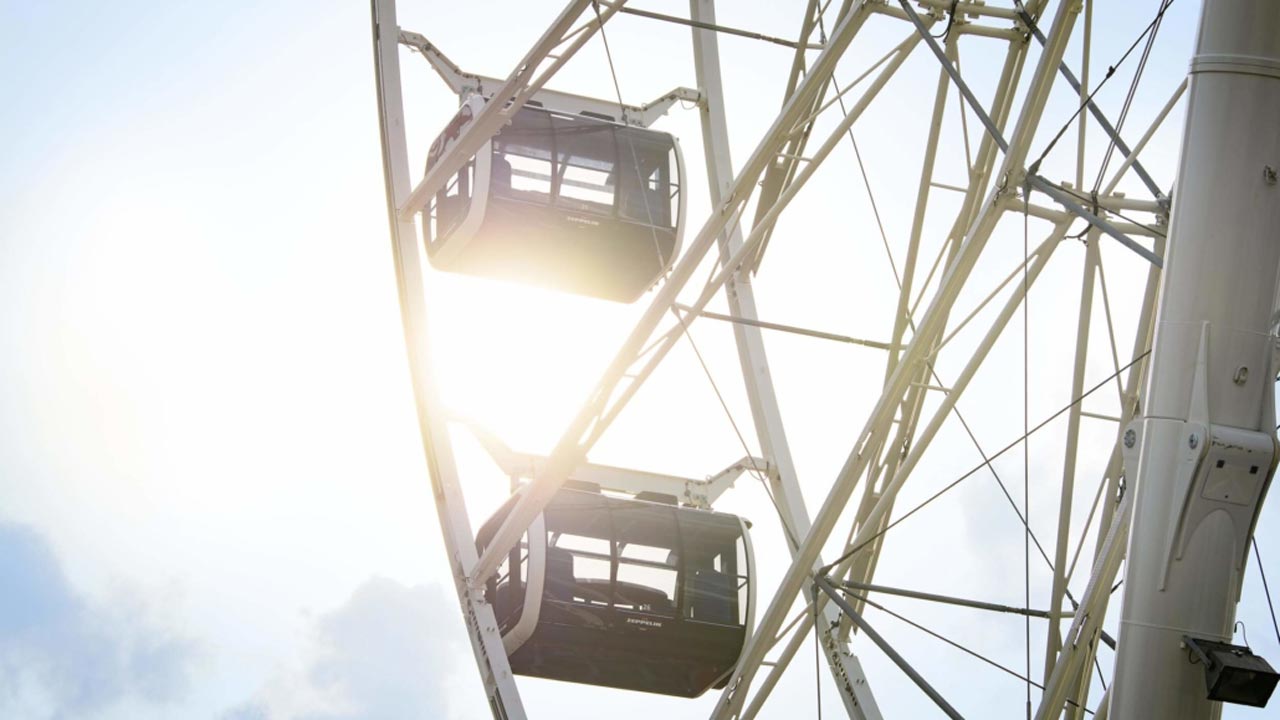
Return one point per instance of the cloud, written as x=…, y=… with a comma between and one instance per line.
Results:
x=389, y=652
x=62, y=655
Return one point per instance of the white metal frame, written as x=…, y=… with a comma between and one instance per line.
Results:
x=482, y=628
x=901, y=426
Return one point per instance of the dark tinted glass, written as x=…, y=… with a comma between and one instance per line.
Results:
x=646, y=184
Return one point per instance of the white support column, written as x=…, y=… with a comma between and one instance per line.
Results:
x=1207, y=439
x=845, y=667
x=482, y=627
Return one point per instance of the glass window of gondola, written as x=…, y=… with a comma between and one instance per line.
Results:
x=523, y=165
x=648, y=192
x=586, y=165
x=647, y=547
x=579, y=562
x=716, y=586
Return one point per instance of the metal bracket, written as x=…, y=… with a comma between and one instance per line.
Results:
x=695, y=493
x=1079, y=210
x=464, y=83
x=1222, y=469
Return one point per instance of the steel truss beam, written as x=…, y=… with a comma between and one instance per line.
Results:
x=782, y=170
x=934, y=695
x=1031, y=178
x=1058, y=590
x=863, y=565
x=1070, y=667
x=1073, y=661
x=463, y=83
x=507, y=100
x=845, y=668
x=930, y=327
x=884, y=462
x=1091, y=275
x=947, y=57
x=1066, y=667
x=1097, y=113
x=482, y=626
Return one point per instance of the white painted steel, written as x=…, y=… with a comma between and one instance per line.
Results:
x=695, y=493
x=1192, y=519
x=1082, y=638
x=1232, y=419
x=531, y=611
x=464, y=83
x=507, y=100
x=1087, y=623
x=1053, y=641
x=881, y=418
x=482, y=627
x=443, y=251
x=845, y=668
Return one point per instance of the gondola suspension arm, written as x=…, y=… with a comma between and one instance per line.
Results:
x=519, y=87
x=464, y=83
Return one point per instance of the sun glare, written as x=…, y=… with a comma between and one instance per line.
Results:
x=517, y=360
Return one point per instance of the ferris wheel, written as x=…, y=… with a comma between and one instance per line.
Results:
x=1022, y=201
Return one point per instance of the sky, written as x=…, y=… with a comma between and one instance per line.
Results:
x=213, y=499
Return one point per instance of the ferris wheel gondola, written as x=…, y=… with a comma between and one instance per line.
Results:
x=625, y=593
x=571, y=202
